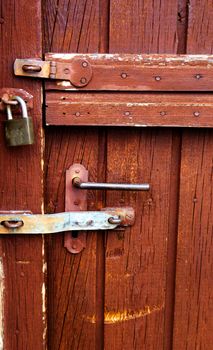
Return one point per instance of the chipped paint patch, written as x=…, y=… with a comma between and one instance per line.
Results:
x=1, y=305
x=64, y=83
x=111, y=317
x=43, y=294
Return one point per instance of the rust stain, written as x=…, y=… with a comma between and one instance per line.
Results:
x=111, y=317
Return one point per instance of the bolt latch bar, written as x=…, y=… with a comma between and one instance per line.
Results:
x=107, y=219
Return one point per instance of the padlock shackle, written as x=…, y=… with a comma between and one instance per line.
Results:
x=23, y=106
x=9, y=112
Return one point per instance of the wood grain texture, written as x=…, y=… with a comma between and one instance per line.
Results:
x=132, y=27
x=193, y=302
x=139, y=279
x=130, y=110
x=21, y=186
x=72, y=291
x=75, y=282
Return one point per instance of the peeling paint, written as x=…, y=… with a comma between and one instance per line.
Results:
x=64, y=83
x=43, y=294
x=111, y=317
x=2, y=286
x=151, y=59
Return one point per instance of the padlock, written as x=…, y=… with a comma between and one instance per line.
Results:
x=19, y=131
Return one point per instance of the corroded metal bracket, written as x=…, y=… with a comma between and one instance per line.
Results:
x=26, y=223
x=6, y=95
x=78, y=72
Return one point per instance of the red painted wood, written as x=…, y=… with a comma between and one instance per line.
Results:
x=129, y=110
x=21, y=188
x=139, y=278
x=193, y=302
x=75, y=282
x=136, y=72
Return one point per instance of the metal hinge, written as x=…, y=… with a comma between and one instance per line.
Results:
x=78, y=72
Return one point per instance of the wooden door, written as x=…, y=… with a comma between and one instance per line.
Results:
x=150, y=286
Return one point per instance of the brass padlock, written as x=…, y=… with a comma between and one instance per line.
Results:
x=19, y=131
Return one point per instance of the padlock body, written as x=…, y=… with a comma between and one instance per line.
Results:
x=19, y=132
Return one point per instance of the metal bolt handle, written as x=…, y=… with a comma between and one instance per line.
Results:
x=109, y=186
x=12, y=224
x=31, y=68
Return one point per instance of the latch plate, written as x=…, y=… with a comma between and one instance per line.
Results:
x=78, y=72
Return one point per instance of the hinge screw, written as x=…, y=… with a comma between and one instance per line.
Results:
x=123, y=75
x=198, y=76
x=127, y=113
x=84, y=64
x=83, y=80
x=66, y=71
x=158, y=78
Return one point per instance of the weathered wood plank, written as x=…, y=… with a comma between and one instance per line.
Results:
x=21, y=188
x=193, y=301
x=139, y=285
x=129, y=110
x=139, y=72
x=75, y=283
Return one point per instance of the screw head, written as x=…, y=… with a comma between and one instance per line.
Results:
x=84, y=64
x=127, y=113
x=83, y=80
x=77, y=114
x=196, y=114
x=198, y=76
x=124, y=75
x=66, y=71
x=157, y=78
x=162, y=113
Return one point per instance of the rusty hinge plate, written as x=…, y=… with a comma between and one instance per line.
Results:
x=78, y=72
x=6, y=94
